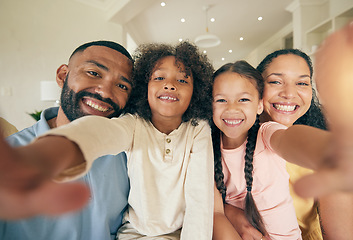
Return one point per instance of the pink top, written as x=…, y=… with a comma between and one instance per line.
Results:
x=270, y=187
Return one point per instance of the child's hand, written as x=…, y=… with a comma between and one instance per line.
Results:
x=237, y=217
x=334, y=77
x=26, y=190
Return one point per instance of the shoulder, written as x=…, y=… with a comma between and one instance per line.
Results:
x=265, y=133
x=22, y=137
x=268, y=128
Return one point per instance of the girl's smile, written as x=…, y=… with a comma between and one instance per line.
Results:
x=235, y=106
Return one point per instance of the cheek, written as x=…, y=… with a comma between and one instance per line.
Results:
x=306, y=97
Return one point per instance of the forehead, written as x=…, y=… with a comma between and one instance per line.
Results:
x=231, y=83
x=288, y=63
x=103, y=55
x=169, y=62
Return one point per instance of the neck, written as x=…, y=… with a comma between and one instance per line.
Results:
x=60, y=120
x=166, y=125
x=233, y=143
x=264, y=117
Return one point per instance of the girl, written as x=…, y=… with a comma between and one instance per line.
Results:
x=262, y=190
x=167, y=140
x=289, y=98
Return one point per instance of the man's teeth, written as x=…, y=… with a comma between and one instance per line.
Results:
x=232, y=122
x=97, y=107
x=168, y=98
x=286, y=108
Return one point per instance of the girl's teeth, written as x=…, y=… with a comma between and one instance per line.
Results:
x=232, y=122
x=286, y=108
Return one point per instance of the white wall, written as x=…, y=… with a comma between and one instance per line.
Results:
x=37, y=36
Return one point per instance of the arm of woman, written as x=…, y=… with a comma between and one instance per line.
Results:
x=302, y=145
x=334, y=77
x=222, y=228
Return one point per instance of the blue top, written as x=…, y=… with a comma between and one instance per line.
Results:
x=100, y=219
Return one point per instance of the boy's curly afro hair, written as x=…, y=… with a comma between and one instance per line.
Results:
x=196, y=64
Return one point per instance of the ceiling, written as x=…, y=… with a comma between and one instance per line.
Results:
x=148, y=21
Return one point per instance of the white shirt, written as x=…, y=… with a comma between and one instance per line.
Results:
x=171, y=176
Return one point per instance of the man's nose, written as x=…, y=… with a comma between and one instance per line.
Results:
x=105, y=90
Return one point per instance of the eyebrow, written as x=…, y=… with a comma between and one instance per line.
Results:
x=98, y=65
x=281, y=74
x=107, y=69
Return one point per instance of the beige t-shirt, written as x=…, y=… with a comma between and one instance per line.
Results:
x=171, y=176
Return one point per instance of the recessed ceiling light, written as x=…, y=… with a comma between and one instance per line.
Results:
x=162, y=4
x=241, y=38
x=259, y=18
x=230, y=51
x=180, y=39
x=222, y=59
x=204, y=51
x=212, y=19
x=182, y=20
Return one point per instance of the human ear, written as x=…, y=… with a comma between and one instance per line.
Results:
x=260, y=106
x=61, y=74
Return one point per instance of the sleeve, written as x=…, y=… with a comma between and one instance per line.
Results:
x=96, y=136
x=198, y=219
x=266, y=130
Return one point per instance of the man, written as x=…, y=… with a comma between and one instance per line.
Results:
x=96, y=81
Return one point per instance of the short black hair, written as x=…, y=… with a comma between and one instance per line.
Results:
x=113, y=45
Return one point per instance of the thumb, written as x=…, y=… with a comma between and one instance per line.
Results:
x=319, y=183
x=54, y=199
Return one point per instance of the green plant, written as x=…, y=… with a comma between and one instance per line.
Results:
x=35, y=115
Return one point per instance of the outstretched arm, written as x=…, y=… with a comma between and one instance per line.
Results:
x=334, y=77
x=26, y=188
x=302, y=145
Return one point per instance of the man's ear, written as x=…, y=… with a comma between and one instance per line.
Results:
x=61, y=74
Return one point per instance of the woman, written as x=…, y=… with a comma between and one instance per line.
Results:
x=289, y=98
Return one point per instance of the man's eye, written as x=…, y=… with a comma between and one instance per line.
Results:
x=122, y=86
x=93, y=73
x=303, y=84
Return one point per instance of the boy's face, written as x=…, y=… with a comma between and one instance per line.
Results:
x=169, y=90
x=235, y=106
x=97, y=81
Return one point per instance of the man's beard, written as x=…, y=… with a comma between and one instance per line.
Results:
x=70, y=102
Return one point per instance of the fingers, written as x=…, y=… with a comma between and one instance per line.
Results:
x=49, y=199
x=321, y=183
x=55, y=199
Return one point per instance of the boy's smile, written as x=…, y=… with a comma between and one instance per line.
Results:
x=169, y=91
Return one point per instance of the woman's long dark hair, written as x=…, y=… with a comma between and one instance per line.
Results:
x=314, y=116
x=251, y=212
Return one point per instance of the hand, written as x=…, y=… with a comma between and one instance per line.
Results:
x=26, y=190
x=237, y=217
x=334, y=77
